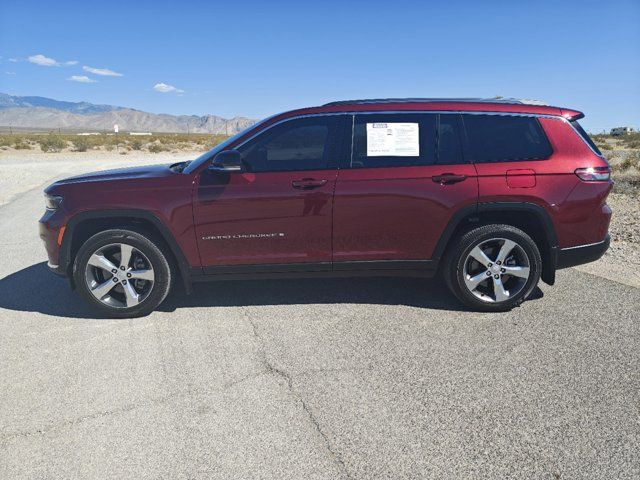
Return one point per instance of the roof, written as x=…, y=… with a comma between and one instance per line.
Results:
x=497, y=100
x=504, y=105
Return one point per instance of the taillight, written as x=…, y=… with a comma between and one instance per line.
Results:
x=594, y=174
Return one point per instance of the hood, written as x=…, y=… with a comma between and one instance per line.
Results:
x=150, y=171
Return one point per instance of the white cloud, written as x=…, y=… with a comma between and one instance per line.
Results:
x=14, y=60
x=10, y=73
x=102, y=71
x=81, y=79
x=46, y=61
x=164, y=88
x=43, y=61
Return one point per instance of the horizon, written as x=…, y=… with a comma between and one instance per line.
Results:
x=159, y=58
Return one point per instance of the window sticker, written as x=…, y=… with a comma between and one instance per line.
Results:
x=393, y=140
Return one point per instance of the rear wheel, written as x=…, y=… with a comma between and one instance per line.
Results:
x=493, y=267
x=122, y=273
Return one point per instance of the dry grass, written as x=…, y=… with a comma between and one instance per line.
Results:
x=82, y=143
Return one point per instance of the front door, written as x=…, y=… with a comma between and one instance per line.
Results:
x=278, y=209
x=405, y=180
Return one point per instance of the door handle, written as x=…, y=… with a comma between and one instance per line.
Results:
x=307, y=183
x=448, y=178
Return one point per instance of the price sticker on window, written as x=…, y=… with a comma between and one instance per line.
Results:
x=393, y=140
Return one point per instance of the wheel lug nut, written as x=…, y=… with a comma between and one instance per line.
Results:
x=490, y=265
x=128, y=275
x=124, y=282
x=499, y=262
x=489, y=273
x=114, y=271
x=122, y=268
x=115, y=280
x=502, y=270
x=496, y=276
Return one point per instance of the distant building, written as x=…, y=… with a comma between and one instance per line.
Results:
x=623, y=130
x=140, y=133
x=90, y=133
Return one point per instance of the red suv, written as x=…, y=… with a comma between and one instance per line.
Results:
x=491, y=194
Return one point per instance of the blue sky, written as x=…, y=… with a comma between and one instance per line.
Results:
x=258, y=58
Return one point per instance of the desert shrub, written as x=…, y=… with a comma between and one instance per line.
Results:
x=80, y=144
x=22, y=144
x=157, y=148
x=136, y=144
x=6, y=140
x=52, y=143
x=631, y=161
x=604, y=146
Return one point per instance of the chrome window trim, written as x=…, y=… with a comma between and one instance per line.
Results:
x=369, y=112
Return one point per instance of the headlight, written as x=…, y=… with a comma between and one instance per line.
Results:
x=52, y=202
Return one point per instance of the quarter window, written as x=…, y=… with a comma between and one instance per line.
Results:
x=502, y=138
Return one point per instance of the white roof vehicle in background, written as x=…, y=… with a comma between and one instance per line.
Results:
x=622, y=130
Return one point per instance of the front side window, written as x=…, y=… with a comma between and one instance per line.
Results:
x=503, y=138
x=299, y=144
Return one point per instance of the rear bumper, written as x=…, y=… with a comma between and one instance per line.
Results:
x=570, y=257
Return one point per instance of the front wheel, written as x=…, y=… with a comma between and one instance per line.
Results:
x=122, y=273
x=493, y=267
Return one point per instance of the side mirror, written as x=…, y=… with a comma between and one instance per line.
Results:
x=227, y=161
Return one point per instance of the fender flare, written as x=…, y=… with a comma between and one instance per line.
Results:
x=472, y=213
x=133, y=214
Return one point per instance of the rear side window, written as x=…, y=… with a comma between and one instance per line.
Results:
x=405, y=139
x=448, y=146
x=393, y=140
x=504, y=138
x=585, y=136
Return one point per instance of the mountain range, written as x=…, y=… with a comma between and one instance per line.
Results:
x=47, y=113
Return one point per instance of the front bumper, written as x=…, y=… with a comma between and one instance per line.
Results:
x=49, y=231
x=570, y=257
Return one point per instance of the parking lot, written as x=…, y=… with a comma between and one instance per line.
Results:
x=344, y=378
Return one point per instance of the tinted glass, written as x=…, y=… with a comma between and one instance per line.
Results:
x=301, y=144
x=585, y=136
x=499, y=138
x=449, y=149
x=411, y=138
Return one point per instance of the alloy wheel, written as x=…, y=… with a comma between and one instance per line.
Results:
x=119, y=275
x=496, y=270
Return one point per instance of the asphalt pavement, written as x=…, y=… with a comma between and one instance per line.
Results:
x=313, y=379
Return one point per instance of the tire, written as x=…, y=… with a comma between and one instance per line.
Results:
x=133, y=291
x=493, y=282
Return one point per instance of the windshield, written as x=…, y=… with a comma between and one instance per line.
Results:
x=207, y=156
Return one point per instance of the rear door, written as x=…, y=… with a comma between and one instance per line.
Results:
x=278, y=210
x=395, y=196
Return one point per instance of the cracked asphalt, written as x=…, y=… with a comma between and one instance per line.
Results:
x=313, y=379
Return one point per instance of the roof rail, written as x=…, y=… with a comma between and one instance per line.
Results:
x=433, y=100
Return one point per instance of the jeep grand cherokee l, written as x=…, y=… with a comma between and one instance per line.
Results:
x=493, y=195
